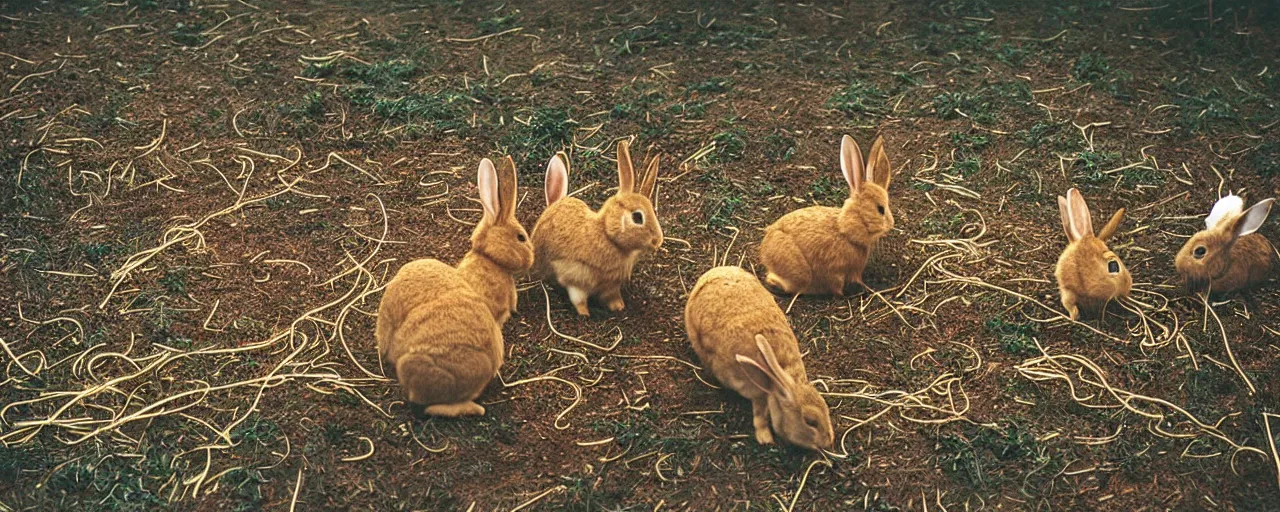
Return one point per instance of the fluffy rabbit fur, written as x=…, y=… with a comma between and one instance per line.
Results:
x=743, y=337
x=820, y=249
x=440, y=327
x=589, y=253
x=1089, y=274
x=1228, y=255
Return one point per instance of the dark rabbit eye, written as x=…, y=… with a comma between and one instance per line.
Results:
x=811, y=422
x=880, y=208
x=520, y=237
x=1199, y=252
x=637, y=217
x=1113, y=266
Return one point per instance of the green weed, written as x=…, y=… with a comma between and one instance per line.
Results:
x=1015, y=337
x=859, y=98
x=549, y=130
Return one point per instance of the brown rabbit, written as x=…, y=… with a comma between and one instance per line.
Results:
x=743, y=337
x=441, y=333
x=1228, y=255
x=821, y=249
x=500, y=247
x=591, y=254
x=1089, y=275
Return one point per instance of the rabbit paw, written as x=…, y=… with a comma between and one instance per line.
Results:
x=458, y=409
x=617, y=304
x=579, y=297
x=764, y=436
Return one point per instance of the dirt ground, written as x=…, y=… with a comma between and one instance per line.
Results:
x=202, y=200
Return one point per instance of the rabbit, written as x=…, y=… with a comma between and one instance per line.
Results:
x=743, y=337
x=500, y=247
x=821, y=249
x=1089, y=275
x=592, y=254
x=441, y=327
x=1228, y=255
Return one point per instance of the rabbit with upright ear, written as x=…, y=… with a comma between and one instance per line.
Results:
x=440, y=327
x=743, y=337
x=500, y=247
x=589, y=253
x=821, y=249
x=1089, y=275
x=1229, y=255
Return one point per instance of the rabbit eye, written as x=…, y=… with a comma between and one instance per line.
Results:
x=1199, y=252
x=1113, y=266
x=811, y=422
x=521, y=237
x=637, y=217
x=880, y=208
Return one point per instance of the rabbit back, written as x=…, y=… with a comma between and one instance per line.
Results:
x=429, y=332
x=727, y=308
x=805, y=249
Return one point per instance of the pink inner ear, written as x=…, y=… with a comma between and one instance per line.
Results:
x=487, y=183
x=557, y=185
x=851, y=163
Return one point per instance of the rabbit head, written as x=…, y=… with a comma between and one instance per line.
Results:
x=1208, y=253
x=1087, y=267
x=499, y=236
x=797, y=412
x=865, y=216
x=629, y=218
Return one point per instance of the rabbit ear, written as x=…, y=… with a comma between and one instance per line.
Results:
x=626, y=174
x=758, y=374
x=779, y=374
x=1111, y=225
x=649, y=186
x=1064, y=208
x=1253, y=218
x=851, y=163
x=1080, y=220
x=557, y=184
x=878, y=167
x=507, y=188
x=1226, y=207
x=487, y=183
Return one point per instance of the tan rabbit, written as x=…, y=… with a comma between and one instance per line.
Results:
x=500, y=247
x=591, y=254
x=743, y=337
x=440, y=327
x=1228, y=255
x=821, y=249
x=1089, y=275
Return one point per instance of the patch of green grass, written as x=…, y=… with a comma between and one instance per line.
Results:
x=859, y=98
x=738, y=36
x=714, y=85
x=1015, y=337
x=1266, y=159
x=175, y=280
x=779, y=147
x=498, y=23
x=723, y=210
x=969, y=144
x=1089, y=166
x=730, y=143
x=975, y=458
x=1038, y=134
x=1200, y=111
x=636, y=103
x=389, y=74
x=96, y=251
x=1010, y=55
x=436, y=112
x=955, y=8
x=966, y=167
x=828, y=190
x=311, y=106
x=949, y=105
x=1095, y=68
x=689, y=109
x=549, y=130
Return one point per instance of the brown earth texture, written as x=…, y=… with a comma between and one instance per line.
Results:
x=202, y=200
